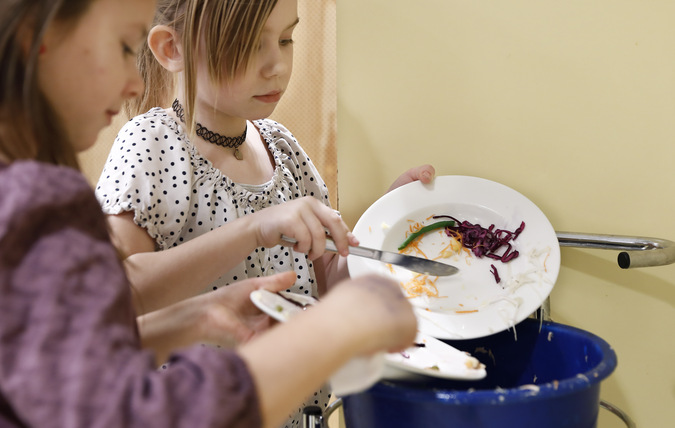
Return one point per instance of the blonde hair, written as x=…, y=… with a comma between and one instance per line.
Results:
x=230, y=31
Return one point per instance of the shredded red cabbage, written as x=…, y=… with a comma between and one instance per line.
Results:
x=492, y=243
x=486, y=242
x=493, y=271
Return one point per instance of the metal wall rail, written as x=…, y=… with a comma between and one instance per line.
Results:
x=636, y=251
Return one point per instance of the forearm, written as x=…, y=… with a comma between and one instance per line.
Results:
x=223, y=317
x=169, y=329
x=300, y=343
x=162, y=278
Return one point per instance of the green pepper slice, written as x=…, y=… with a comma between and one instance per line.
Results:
x=426, y=229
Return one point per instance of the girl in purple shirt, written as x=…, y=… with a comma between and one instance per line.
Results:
x=70, y=350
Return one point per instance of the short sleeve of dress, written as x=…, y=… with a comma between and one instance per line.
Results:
x=148, y=172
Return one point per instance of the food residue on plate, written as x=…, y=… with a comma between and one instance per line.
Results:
x=473, y=363
x=452, y=243
x=494, y=243
x=432, y=355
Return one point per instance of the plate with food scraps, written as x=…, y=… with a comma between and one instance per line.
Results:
x=430, y=357
x=359, y=374
x=506, y=250
x=282, y=305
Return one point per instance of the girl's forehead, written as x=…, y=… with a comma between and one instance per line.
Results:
x=284, y=16
x=125, y=15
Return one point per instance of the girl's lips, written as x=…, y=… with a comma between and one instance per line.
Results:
x=272, y=97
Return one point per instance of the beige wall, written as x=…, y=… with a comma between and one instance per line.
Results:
x=570, y=102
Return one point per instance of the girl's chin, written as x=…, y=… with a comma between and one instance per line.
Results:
x=267, y=111
x=85, y=142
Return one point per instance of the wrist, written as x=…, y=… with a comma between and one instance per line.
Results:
x=348, y=338
x=176, y=325
x=240, y=231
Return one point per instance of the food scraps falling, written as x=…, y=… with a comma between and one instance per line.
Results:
x=488, y=242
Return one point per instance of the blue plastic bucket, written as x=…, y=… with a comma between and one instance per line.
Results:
x=538, y=378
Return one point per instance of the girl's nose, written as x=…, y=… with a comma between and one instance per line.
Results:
x=277, y=63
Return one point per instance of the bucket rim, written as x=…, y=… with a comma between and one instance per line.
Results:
x=583, y=381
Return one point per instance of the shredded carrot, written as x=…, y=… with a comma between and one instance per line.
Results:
x=457, y=235
x=453, y=247
x=414, y=249
x=421, y=285
x=414, y=226
x=466, y=312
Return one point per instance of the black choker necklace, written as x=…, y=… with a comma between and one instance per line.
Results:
x=213, y=137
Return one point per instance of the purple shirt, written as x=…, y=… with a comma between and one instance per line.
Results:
x=70, y=352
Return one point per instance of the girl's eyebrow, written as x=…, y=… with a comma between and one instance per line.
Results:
x=297, y=20
x=268, y=29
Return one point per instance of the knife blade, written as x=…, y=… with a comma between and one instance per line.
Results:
x=415, y=264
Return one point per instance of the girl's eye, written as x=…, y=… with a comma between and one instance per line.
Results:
x=286, y=42
x=127, y=50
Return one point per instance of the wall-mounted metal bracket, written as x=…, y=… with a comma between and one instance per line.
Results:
x=636, y=251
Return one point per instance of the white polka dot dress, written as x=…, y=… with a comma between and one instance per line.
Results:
x=154, y=171
x=176, y=194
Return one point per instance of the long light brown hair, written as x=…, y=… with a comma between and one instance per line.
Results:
x=228, y=31
x=29, y=126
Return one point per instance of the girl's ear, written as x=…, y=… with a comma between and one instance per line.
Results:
x=165, y=46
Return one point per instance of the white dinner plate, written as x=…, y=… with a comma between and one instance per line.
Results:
x=471, y=303
x=432, y=358
x=357, y=375
x=278, y=307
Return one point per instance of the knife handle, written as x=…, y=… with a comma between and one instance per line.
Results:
x=330, y=246
x=356, y=251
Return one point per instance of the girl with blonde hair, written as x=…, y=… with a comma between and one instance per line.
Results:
x=199, y=185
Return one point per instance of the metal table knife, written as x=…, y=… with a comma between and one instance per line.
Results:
x=415, y=264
